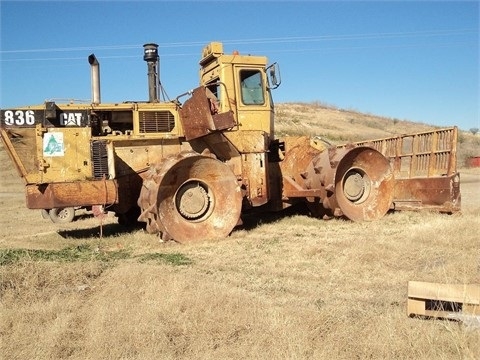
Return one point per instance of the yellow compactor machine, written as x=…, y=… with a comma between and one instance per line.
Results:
x=192, y=167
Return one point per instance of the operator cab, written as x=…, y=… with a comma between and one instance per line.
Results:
x=242, y=84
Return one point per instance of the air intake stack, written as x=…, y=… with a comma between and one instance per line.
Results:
x=150, y=55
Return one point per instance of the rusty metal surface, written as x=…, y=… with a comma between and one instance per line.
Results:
x=190, y=197
x=440, y=194
x=255, y=178
x=246, y=153
x=252, y=141
x=423, y=154
x=199, y=116
x=84, y=193
x=363, y=184
x=355, y=182
x=298, y=158
x=291, y=189
x=223, y=121
x=424, y=166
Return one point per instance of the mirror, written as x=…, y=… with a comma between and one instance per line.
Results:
x=274, y=76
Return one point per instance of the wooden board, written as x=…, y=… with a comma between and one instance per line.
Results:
x=440, y=300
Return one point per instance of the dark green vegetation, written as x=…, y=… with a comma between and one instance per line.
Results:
x=87, y=252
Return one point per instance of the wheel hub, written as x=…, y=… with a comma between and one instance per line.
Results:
x=192, y=200
x=63, y=213
x=355, y=185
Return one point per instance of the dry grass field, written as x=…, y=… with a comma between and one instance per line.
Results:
x=280, y=288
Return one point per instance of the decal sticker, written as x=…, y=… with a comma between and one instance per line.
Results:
x=53, y=144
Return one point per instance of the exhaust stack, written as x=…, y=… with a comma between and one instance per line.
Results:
x=95, y=78
x=150, y=55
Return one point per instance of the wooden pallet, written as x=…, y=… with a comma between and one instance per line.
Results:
x=442, y=300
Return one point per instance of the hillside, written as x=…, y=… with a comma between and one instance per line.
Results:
x=341, y=126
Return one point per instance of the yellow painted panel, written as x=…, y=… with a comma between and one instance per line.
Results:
x=64, y=154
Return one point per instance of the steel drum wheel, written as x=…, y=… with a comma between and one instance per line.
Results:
x=364, y=184
x=191, y=197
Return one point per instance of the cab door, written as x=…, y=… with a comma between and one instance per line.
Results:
x=254, y=108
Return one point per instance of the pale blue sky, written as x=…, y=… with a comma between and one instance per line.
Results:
x=410, y=60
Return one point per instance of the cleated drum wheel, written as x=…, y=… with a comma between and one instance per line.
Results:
x=197, y=198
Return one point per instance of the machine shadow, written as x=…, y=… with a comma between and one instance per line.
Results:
x=104, y=231
x=251, y=221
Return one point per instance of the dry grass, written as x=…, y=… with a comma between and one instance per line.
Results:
x=294, y=287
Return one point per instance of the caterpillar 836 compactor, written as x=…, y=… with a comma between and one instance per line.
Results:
x=192, y=167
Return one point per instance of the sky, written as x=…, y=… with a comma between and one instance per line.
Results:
x=407, y=60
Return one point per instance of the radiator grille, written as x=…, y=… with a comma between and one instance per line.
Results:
x=99, y=159
x=156, y=121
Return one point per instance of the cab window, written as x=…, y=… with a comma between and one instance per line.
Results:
x=214, y=87
x=214, y=94
x=252, y=88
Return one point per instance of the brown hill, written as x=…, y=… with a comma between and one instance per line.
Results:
x=340, y=126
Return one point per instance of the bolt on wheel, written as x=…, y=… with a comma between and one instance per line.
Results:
x=62, y=215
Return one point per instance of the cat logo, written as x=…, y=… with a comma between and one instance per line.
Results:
x=71, y=119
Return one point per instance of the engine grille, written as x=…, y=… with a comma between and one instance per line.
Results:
x=99, y=159
x=156, y=121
